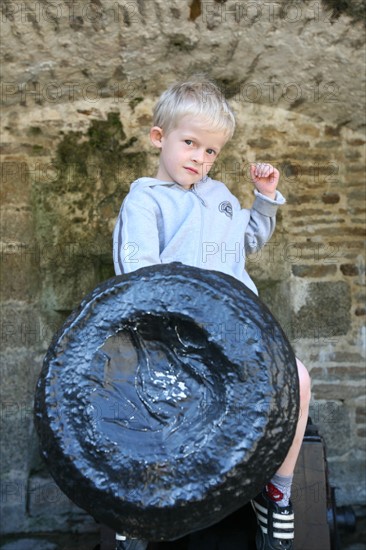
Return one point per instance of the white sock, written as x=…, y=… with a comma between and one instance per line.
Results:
x=283, y=485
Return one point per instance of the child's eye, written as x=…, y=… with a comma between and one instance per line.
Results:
x=211, y=151
x=188, y=141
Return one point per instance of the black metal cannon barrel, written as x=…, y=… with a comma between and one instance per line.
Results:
x=166, y=400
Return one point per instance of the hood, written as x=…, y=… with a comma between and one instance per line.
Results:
x=150, y=182
x=153, y=182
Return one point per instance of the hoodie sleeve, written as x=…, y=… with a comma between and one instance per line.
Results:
x=135, y=236
x=262, y=221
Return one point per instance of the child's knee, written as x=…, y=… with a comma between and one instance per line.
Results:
x=304, y=382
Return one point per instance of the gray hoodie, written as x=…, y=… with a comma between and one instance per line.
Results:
x=161, y=222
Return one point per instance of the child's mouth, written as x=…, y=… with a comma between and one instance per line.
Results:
x=192, y=170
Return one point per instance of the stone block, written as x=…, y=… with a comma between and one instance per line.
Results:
x=332, y=130
x=356, y=168
x=333, y=419
x=19, y=267
x=24, y=326
x=299, y=143
x=330, y=198
x=19, y=370
x=30, y=544
x=16, y=422
x=261, y=143
x=321, y=309
x=350, y=270
x=309, y=130
x=13, y=501
x=273, y=294
x=36, y=505
x=65, y=288
x=337, y=391
x=297, y=198
x=361, y=432
x=352, y=155
x=16, y=224
x=314, y=270
x=348, y=475
x=326, y=144
x=361, y=415
x=44, y=494
x=356, y=142
x=15, y=180
x=344, y=373
x=339, y=373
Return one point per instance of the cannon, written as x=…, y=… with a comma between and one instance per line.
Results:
x=166, y=401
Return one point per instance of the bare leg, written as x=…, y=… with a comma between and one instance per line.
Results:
x=288, y=465
x=273, y=507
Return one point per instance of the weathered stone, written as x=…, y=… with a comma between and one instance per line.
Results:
x=16, y=224
x=360, y=415
x=299, y=144
x=355, y=142
x=323, y=309
x=352, y=155
x=15, y=422
x=42, y=493
x=313, y=271
x=333, y=420
x=195, y=10
x=333, y=374
x=319, y=222
x=357, y=231
x=332, y=130
x=18, y=382
x=330, y=198
x=337, y=392
x=350, y=357
x=141, y=37
x=19, y=272
x=349, y=270
x=358, y=168
x=309, y=130
x=352, y=471
x=30, y=544
x=15, y=180
x=17, y=492
x=260, y=143
x=326, y=144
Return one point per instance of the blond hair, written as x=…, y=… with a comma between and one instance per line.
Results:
x=195, y=97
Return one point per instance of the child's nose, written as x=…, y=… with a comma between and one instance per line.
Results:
x=198, y=156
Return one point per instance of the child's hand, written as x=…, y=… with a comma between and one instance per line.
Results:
x=265, y=178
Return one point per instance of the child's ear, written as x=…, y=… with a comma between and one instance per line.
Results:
x=156, y=136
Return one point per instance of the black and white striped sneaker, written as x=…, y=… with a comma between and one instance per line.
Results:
x=123, y=543
x=275, y=524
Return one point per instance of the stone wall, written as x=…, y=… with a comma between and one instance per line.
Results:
x=79, y=83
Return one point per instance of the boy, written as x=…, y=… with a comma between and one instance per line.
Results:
x=183, y=215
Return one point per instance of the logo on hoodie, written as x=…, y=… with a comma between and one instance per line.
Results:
x=226, y=208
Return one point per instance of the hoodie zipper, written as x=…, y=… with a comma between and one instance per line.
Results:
x=203, y=204
x=193, y=190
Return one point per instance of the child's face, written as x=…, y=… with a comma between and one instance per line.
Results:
x=187, y=152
